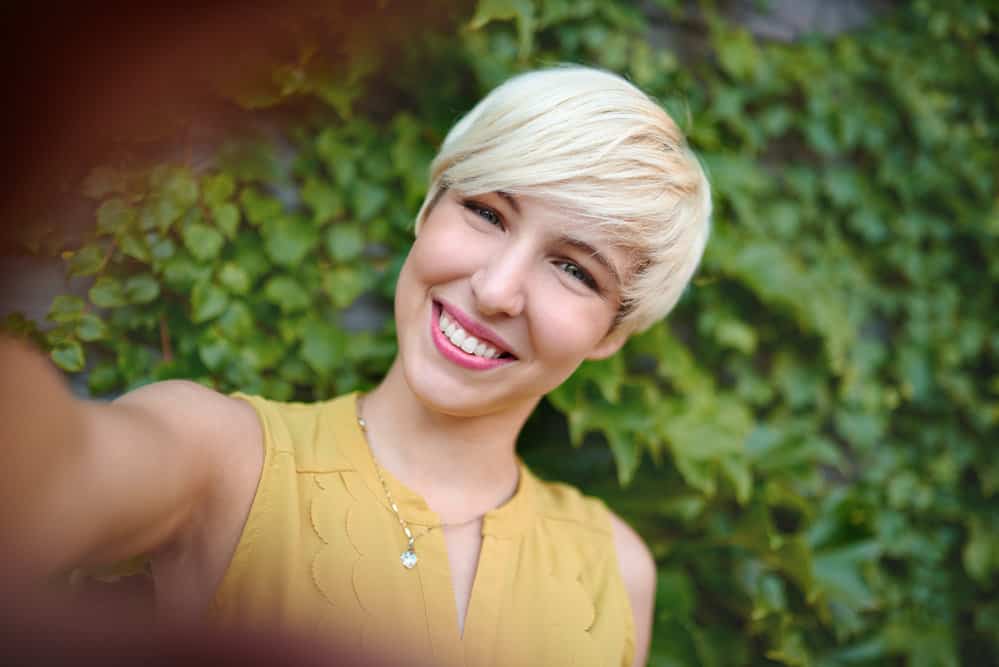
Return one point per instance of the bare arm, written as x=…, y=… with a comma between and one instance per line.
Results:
x=638, y=569
x=85, y=482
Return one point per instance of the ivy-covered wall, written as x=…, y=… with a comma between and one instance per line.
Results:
x=807, y=442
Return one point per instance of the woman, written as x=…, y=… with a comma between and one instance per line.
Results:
x=564, y=213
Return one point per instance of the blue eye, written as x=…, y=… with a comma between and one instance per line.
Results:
x=484, y=212
x=578, y=273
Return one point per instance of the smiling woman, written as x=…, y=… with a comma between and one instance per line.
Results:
x=564, y=213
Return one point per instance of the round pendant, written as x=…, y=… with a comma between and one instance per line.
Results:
x=408, y=559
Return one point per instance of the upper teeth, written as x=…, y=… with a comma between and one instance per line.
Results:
x=468, y=343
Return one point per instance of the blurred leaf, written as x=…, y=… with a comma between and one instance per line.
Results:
x=500, y=10
x=218, y=188
x=322, y=347
x=344, y=242
x=325, y=202
x=66, y=309
x=142, y=288
x=207, y=302
x=86, y=261
x=368, y=200
x=286, y=293
x=114, y=216
x=287, y=240
x=107, y=292
x=91, y=328
x=226, y=216
x=234, y=277
x=202, y=241
x=69, y=356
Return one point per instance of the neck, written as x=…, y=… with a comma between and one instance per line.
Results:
x=462, y=466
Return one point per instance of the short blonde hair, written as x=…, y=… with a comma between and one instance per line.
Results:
x=591, y=142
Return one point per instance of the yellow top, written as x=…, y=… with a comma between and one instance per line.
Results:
x=320, y=554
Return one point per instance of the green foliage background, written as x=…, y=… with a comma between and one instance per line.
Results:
x=805, y=444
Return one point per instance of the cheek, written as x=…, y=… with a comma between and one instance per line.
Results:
x=566, y=332
x=440, y=253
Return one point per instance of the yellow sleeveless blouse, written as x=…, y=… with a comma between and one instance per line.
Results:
x=319, y=554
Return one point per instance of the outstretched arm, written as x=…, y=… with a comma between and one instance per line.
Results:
x=87, y=482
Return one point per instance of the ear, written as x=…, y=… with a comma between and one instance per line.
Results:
x=611, y=343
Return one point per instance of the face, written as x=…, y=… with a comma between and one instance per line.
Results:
x=499, y=301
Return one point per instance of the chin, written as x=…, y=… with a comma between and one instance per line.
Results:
x=440, y=392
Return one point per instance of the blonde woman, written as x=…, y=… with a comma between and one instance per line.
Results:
x=565, y=212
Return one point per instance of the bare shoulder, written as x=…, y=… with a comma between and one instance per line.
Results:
x=223, y=432
x=210, y=423
x=189, y=406
x=638, y=571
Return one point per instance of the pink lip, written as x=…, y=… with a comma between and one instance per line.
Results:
x=481, y=332
x=452, y=353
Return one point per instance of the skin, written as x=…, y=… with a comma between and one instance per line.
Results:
x=171, y=469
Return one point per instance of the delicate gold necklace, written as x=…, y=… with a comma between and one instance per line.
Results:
x=409, y=558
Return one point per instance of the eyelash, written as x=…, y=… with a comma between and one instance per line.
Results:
x=480, y=209
x=492, y=217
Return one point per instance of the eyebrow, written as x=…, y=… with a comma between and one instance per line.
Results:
x=510, y=199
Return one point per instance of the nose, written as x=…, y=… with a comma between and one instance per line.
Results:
x=499, y=285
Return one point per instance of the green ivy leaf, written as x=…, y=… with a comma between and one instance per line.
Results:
x=114, y=216
x=322, y=347
x=522, y=11
x=368, y=199
x=218, y=188
x=235, y=278
x=250, y=256
x=66, y=309
x=86, y=261
x=344, y=284
x=160, y=213
x=287, y=240
x=840, y=573
x=180, y=187
x=344, y=242
x=142, y=288
x=135, y=246
x=163, y=249
x=107, y=292
x=69, y=356
x=208, y=301
x=325, y=202
x=237, y=322
x=103, y=378
x=181, y=272
x=216, y=352
x=259, y=208
x=286, y=293
x=202, y=241
x=226, y=216
x=91, y=328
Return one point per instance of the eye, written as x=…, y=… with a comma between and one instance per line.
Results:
x=579, y=273
x=486, y=213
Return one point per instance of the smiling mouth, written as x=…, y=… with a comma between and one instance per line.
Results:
x=466, y=342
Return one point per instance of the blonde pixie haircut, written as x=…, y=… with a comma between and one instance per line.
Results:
x=592, y=143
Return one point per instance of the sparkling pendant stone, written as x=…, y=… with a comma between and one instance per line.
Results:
x=408, y=559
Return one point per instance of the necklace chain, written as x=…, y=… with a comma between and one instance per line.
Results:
x=408, y=557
